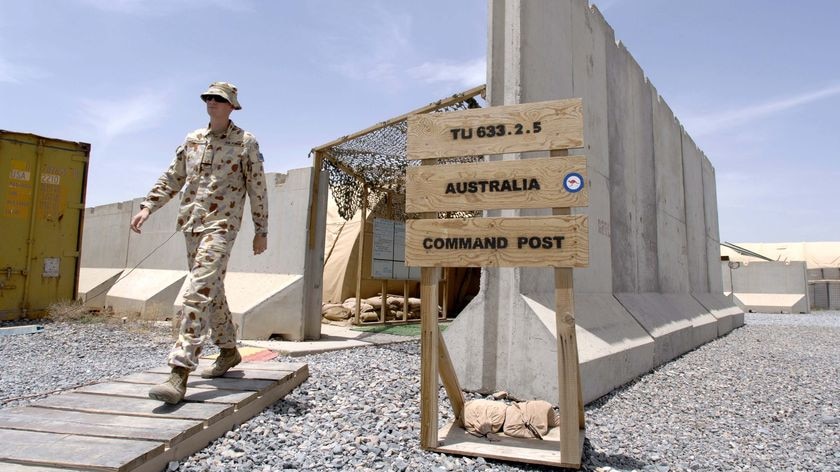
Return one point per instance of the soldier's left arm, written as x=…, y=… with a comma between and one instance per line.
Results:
x=257, y=192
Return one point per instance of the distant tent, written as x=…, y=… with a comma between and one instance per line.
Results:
x=817, y=255
x=341, y=256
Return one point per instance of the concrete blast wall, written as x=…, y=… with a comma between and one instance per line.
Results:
x=277, y=292
x=653, y=287
x=768, y=287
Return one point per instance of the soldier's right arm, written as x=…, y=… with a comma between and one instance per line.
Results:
x=169, y=184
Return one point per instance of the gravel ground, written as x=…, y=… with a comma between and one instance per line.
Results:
x=765, y=397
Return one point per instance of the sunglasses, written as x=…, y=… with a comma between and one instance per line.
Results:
x=215, y=98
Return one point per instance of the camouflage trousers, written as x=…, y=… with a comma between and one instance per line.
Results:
x=205, y=305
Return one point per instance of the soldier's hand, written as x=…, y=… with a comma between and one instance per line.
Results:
x=260, y=244
x=138, y=219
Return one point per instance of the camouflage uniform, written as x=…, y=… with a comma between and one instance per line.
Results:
x=216, y=171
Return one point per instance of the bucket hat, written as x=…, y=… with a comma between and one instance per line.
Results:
x=225, y=90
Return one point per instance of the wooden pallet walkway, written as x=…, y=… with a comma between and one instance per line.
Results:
x=114, y=426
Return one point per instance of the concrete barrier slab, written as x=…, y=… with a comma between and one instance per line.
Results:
x=261, y=304
x=105, y=235
x=613, y=348
x=94, y=284
x=729, y=316
x=704, y=324
x=149, y=292
x=772, y=302
x=667, y=323
x=465, y=340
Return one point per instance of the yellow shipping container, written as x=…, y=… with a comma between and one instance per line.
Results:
x=42, y=202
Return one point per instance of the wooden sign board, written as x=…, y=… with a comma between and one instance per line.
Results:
x=530, y=183
x=540, y=241
x=535, y=126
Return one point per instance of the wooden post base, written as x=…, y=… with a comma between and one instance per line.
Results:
x=455, y=440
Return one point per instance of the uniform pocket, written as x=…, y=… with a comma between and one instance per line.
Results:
x=198, y=153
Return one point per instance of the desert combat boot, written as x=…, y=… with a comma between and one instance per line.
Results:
x=228, y=358
x=173, y=390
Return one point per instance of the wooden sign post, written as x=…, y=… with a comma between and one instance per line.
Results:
x=559, y=241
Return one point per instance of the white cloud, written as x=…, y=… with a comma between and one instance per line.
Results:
x=15, y=73
x=465, y=74
x=708, y=124
x=111, y=119
x=368, y=50
x=164, y=7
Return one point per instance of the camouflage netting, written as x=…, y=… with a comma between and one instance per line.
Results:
x=378, y=158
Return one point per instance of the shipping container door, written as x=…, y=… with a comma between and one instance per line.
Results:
x=42, y=187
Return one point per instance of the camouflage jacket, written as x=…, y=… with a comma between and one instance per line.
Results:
x=217, y=170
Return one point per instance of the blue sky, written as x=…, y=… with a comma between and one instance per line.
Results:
x=755, y=82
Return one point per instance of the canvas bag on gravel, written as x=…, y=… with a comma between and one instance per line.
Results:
x=350, y=304
x=336, y=313
x=531, y=419
x=482, y=417
x=375, y=302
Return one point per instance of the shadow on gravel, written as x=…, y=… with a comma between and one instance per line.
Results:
x=290, y=407
x=616, y=461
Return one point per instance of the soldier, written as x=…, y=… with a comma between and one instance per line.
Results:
x=218, y=164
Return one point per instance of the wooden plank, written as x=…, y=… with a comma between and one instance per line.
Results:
x=357, y=316
x=73, y=401
x=28, y=329
x=60, y=450
x=168, y=431
x=450, y=381
x=405, y=301
x=568, y=380
x=252, y=378
x=253, y=373
x=455, y=440
x=199, y=441
x=244, y=366
x=284, y=366
x=10, y=467
x=444, y=299
x=313, y=199
x=424, y=237
x=564, y=281
x=429, y=337
x=529, y=183
x=383, y=287
x=535, y=126
x=236, y=380
x=205, y=395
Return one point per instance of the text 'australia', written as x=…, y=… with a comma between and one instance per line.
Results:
x=507, y=185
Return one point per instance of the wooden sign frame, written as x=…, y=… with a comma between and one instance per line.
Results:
x=537, y=126
x=563, y=446
x=522, y=183
x=536, y=241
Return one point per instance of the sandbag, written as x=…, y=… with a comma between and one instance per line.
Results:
x=375, y=302
x=336, y=313
x=482, y=417
x=395, y=302
x=350, y=304
x=531, y=419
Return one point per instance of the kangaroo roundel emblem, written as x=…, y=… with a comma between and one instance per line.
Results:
x=573, y=182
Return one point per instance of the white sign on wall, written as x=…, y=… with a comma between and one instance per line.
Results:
x=389, y=252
